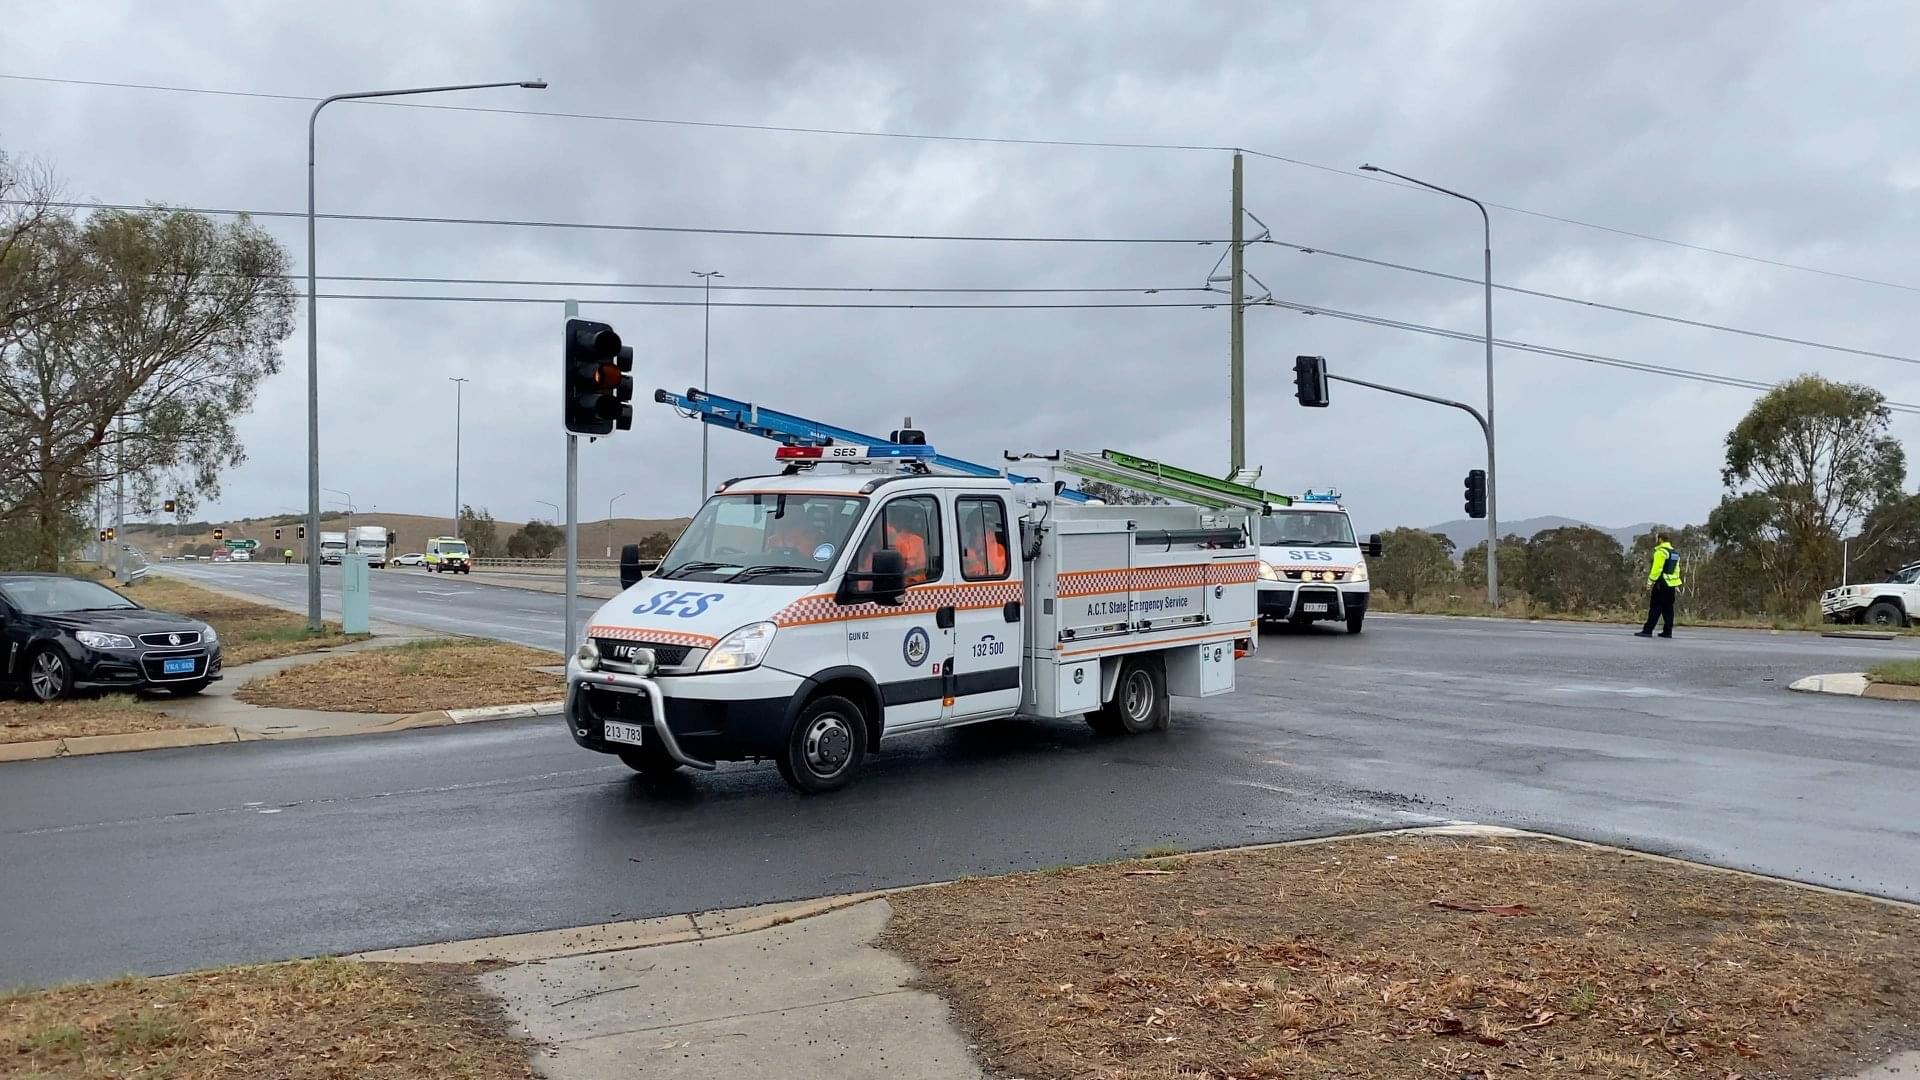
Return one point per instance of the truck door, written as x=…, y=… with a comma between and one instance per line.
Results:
x=906, y=649
x=984, y=674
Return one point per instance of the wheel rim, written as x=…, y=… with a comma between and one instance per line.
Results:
x=1138, y=696
x=828, y=745
x=1882, y=618
x=47, y=676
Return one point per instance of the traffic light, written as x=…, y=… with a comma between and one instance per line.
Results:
x=1310, y=381
x=107, y=533
x=1476, y=493
x=302, y=534
x=167, y=506
x=596, y=382
x=276, y=536
x=219, y=535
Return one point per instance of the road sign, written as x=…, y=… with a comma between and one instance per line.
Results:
x=242, y=545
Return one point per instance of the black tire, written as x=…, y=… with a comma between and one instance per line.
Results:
x=1883, y=613
x=49, y=674
x=1354, y=619
x=825, y=747
x=189, y=689
x=652, y=763
x=1139, y=702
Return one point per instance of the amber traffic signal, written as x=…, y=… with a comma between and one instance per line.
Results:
x=595, y=380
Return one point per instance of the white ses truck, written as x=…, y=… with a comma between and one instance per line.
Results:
x=806, y=616
x=1312, y=568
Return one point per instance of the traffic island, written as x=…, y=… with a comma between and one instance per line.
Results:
x=1895, y=680
x=431, y=675
x=307, y=1019
x=1415, y=956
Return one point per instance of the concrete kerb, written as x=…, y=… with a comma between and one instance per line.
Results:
x=727, y=922
x=1855, y=684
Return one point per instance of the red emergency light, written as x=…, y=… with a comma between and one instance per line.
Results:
x=797, y=453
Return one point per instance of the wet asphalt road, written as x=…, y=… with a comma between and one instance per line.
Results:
x=168, y=860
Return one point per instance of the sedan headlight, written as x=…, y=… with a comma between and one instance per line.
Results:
x=94, y=639
x=209, y=635
x=740, y=650
x=1359, y=573
x=1268, y=573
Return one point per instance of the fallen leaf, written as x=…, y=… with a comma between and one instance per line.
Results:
x=1489, y=909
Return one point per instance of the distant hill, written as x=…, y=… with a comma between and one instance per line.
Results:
x=413, y=530
x=1466, y=532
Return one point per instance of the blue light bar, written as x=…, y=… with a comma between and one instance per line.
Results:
x=1328, y=496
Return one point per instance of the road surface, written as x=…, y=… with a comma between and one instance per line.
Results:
x=167, y=860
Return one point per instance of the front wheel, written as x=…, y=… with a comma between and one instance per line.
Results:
x=826, y=745
x=1885, y=614
x=1354, y=619
x=49, y=674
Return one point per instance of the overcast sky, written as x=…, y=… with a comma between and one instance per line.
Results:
x=1785, y=131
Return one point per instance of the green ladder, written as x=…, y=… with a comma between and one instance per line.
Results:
x=1169, y=481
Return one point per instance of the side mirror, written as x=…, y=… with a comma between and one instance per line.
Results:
x=630, y=565
x=1372, y=548
x=886, y=582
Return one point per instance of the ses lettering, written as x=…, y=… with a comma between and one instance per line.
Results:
x=687, y=605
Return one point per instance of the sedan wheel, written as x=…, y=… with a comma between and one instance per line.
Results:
x=49, y=677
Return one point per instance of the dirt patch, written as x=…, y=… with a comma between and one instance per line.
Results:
x=1415, y=957
x=444, y=673
x=248, y=631
x=113, y=714
x=313, y=1019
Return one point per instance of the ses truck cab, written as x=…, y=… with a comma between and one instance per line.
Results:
x=1311, y=566
x=808, y=616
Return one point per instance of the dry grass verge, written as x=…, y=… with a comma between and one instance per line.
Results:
x=313, y=1019
x=1896, y=673
x=442, y=673
x=248, y=631
x=112, y=714
x=1415, y=957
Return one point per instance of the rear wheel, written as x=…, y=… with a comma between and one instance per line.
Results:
x=1139, y=700
x=826, y=745
x=1886, y=614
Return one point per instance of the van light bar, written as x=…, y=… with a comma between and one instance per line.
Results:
x=844, y=452
x=1330, y=495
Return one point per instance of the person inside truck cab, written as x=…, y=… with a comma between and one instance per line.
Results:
x=906, y=531
x=798, y=532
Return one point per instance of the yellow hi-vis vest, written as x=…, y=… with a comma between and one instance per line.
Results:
x=1666, y=566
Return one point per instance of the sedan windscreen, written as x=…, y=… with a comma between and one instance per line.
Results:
x=44, y=596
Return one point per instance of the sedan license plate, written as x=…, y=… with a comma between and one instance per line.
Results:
x=183, y=666
x=1315, y=609
x=614, y=731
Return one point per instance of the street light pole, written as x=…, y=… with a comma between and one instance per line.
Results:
x=349, y=499
x=706, y=345
x=313, y=326
x=458, y=390
x=610, y=503
x=555, y=506
x=1493, y=510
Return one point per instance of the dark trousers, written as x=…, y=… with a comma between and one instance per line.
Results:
x=1660, y=608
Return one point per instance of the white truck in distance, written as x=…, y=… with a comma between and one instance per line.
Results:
x=1889, y=603
x=1312, y=568
x=805, y=617
x=332, y=546
x=371, y=541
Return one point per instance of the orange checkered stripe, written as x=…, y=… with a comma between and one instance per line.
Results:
x=652, y=637
x=920, y=600
x=1143, y=579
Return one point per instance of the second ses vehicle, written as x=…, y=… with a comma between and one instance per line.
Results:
x=448, y=555
x=63, y=634
x=1311, y=566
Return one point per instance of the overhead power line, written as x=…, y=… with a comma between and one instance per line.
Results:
x=982, y=139
x=519, y=223
x=1542, y=350
x=824, y=305
x=695, y=287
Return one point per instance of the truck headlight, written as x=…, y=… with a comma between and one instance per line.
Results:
x=94, y=639
x=1359, y=573
x=1268, y=573
x=587, y=656
x=740, y=650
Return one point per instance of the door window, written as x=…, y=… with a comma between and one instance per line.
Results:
x=909, y=525
x=983, y=538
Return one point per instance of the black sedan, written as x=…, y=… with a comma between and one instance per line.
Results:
x=63, y=634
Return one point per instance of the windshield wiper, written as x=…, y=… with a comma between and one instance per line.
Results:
x=754, y=571
x=691, y=568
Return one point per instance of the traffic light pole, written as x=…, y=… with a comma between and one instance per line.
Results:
x=1486, y=429
x=573, y=519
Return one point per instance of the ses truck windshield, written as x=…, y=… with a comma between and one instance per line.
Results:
x=1303, y=528
x=779, y=539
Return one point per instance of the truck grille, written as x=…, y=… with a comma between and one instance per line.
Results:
x=174, y=640
x=666, y=656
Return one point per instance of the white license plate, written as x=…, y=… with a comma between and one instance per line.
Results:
x=614, y=731
x=1314, y=609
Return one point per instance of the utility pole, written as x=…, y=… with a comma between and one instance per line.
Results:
x=570, y=605
x=1237, y=345
x=120, y=500
x=458, y=387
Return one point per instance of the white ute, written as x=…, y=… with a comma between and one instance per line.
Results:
x=806, y=616
x=1893, y=602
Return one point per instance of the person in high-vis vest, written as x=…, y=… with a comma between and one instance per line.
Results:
x=1663, y=581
